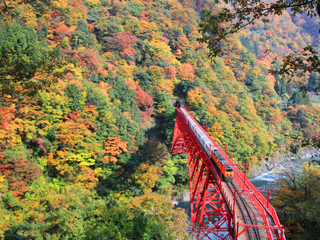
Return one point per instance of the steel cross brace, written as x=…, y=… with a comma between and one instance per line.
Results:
x=209, y=213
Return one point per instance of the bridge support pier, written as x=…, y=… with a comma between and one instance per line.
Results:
x=210, y=217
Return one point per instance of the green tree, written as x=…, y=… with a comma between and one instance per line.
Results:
x=165, y=114
x=108, y=27
x=299, y=98
x=277, y=85
x=313, y=82
x=83, y=37
x=77, y=97
x=50, y=211
x=24, y=61
x=289, y=88
x=283, y=83
x=256, y=48
x=183, y=87
x=121, y=222
x=144, y=80
x=301, y=115
x=7, y=11
x=246, y=42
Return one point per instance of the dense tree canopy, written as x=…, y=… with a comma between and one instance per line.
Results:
x=91, y=152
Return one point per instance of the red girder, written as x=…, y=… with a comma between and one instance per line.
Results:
x=212, y=211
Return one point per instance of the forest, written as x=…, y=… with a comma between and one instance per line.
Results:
x=87, y=120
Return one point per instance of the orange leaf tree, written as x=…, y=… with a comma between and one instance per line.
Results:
x=113, y=147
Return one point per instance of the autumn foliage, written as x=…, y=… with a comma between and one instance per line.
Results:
x=113, y=147
x=144, y=102
x=92, y=145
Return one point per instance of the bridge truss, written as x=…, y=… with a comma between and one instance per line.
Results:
x=213, y=210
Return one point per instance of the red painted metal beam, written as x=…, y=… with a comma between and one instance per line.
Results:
x=212, y=211
x=210, y=215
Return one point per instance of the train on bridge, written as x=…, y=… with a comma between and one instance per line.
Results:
x=224, y=203
x=217, y=159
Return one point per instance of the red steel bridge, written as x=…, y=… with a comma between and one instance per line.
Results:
x=220, y=209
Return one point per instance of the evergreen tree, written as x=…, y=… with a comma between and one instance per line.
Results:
x=301, y=115
x=184, y=87
x=73, y=92
x=289, y=88
x=299, y=98
x=22, y=57
x=250, y=79
x=165, y=114
x=144, y=80
x=83, y=37
x=245, y=42
x=313, y=82
x=306, y=100
x=283, y=83
x=95, y=78
x=277, y=85
x=256, y=47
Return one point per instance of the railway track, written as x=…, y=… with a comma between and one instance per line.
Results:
x=246, y=214
x=270, y=219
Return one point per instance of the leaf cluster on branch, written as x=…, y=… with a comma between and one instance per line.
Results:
x=233, y=16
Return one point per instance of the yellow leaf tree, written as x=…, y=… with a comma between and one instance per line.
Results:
x=216, y=132
x=146, y=176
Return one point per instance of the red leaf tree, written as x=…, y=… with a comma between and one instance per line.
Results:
x=123, y=43
x=144, y=102
x=20, y=173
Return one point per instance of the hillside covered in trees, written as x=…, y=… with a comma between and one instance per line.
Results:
x=87, y=156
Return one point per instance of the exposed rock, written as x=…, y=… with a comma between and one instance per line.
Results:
x=271, y=162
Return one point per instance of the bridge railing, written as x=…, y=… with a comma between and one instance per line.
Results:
x=258, y=199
